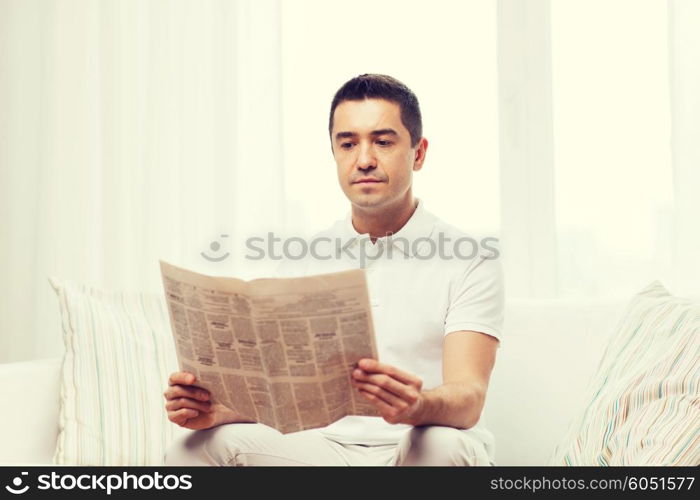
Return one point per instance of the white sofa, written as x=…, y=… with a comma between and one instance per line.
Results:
x=550, y=350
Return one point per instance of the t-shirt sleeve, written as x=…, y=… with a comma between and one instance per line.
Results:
x=477, y=299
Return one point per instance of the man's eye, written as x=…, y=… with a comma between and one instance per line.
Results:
x=346, y=145
x=384, y=143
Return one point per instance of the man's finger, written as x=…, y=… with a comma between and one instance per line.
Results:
x=181, y=391
x=184, y=378
x=177, y=403
x=388, y=412
x=181, y=416
x=385, y=396
x=402, y=390
x=374, y=366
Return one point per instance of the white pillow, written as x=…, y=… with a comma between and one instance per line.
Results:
x=119, y=354
x=642, y=407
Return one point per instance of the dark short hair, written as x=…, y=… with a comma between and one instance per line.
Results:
x=373, y=86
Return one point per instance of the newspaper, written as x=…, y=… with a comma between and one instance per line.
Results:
x=277, y=350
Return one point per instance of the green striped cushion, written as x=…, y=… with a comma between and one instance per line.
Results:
x=643, y=406
x=119, y=353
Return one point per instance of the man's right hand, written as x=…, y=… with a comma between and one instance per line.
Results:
x=190, y=406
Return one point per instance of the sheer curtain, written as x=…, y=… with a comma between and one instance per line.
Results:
x=130, y=131
x=599, y=106
x=684, y=55
x=133, y=131
x=614, y=194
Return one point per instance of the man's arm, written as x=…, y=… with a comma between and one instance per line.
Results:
x=468, y=359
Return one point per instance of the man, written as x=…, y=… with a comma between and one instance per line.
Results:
x=437, y=318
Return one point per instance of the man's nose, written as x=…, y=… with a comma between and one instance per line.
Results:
x=366, y=159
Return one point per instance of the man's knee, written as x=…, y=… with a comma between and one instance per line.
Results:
x=194, y=448
x=217, y=446
x=438, y=445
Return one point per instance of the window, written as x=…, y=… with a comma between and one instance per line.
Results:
x=613, y=173
x=446, y=54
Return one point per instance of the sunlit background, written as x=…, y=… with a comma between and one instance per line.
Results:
x=134, y=131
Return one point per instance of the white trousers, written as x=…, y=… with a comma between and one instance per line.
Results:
x=260, y=445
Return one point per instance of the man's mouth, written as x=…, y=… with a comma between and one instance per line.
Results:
x=367, y=180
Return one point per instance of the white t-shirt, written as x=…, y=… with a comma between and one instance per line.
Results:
x=418, y=295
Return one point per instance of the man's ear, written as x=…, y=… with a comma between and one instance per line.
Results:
x=421, y=150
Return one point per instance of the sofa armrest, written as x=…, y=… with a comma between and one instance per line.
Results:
x=30, y=394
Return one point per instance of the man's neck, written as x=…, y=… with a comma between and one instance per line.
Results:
x=385, y=220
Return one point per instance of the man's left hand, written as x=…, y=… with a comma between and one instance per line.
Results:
x=395, y=393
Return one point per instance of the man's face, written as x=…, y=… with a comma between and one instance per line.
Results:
x=373, y=152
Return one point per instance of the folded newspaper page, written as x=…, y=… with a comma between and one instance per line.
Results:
x=277, y=350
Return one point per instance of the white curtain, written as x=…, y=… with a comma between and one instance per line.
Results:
x=130, y=131
x=528, y=211
x=684, y=58
x=594, y=200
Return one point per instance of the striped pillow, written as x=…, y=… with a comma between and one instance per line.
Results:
x=119, y=353
x=644, y=401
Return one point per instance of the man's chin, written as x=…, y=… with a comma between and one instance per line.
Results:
x=367, y=201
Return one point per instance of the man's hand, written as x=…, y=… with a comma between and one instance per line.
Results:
x=394, y=393
x=468, y=359
x=190, y=406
